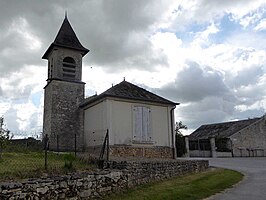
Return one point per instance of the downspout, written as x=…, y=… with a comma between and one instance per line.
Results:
x=172, y=131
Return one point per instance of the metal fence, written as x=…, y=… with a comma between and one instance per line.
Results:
x=23, y=158
x=201, y=145
x=97, y=144
x=222, y=145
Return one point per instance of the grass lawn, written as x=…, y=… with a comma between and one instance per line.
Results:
x=196, y=186
x=31, y=164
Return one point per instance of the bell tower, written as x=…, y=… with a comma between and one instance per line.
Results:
x=64, y=91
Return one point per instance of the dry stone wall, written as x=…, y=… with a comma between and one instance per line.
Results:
x=250, y=141
x=140, y=172
x=147, y=152
x=120, y=176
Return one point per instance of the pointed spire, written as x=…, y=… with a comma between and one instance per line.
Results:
x=66, y=37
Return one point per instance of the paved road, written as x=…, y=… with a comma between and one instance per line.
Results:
x=253, y=187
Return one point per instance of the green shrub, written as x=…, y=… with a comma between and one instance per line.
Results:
x=69, y=158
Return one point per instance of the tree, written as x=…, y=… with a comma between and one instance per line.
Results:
x=180, y=139
x=4, y=136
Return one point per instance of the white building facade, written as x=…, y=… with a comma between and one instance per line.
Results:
x=138, y=126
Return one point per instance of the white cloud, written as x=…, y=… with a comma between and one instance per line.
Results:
x=202, y=38
x=4, y=106
x=261, y=26
x=24, y=113
x=170, y=46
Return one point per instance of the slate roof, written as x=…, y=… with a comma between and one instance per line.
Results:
x=126, y=90
x=220, y=130
x=66, y=37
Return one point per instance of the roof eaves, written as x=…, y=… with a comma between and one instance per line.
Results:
x=102, y=96
x=45, y=55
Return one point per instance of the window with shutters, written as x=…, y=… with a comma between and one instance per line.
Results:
x=142, y=124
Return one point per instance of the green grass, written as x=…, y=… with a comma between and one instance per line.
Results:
x=27, y=165
x=189, y=187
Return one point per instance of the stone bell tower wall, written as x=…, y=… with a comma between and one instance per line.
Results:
x=63, y=119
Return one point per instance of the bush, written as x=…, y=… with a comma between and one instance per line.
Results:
x=69, y=158
x=180, y=145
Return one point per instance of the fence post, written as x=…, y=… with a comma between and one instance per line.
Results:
x=75, y=144
x=107, y=153
x=45, y=151
x=57, y=144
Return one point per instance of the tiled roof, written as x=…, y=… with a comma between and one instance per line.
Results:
x=221, y=130
x=66, y=37
x=126, y=90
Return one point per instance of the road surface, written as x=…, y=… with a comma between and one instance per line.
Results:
x=253, y=187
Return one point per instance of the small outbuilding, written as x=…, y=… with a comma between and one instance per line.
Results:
x=243, y=138
x=139, y=123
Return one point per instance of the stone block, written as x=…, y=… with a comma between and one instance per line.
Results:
x=85, y=194
x=42, y=190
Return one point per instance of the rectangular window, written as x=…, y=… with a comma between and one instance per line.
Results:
x=142, y=124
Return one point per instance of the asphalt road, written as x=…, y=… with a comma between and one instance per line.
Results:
x=253, y=187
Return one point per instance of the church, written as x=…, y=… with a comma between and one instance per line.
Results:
x=139, y=123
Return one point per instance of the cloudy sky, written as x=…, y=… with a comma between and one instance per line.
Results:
x=207, y=55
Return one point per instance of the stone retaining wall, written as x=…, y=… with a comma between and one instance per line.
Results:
x=140, y=172
x=147, y=152
x=121, y=176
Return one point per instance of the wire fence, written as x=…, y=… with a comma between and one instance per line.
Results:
x=97, y=143
x=23, y=158
x=58, y=143
x=36, y=133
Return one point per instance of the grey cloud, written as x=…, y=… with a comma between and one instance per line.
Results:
x=14, y=91
x=203, y=94
x=10, y=121
x=247, y=84
x=14, y=55
x=118, y=35
x=213, y=110
x=115, y=31
x=194, y=84
x=251, y=94
x=194, y=115
x=248, y=114
x=246, y=77
x=206, y=98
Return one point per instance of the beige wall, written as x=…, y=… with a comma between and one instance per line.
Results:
x=95, y=125
x=117, y=116
x=122, y=123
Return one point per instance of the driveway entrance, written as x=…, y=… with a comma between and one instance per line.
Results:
x=253, y=187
